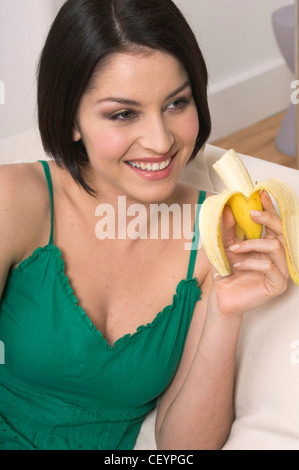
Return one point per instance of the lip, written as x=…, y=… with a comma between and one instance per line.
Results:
x=154, y=175
x=154, y=160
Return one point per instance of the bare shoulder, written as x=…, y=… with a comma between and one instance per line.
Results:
x=22, y=186
x=24, y=205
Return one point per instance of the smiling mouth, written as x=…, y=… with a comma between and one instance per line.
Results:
x=150, y=166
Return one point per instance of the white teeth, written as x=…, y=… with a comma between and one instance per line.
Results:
x=151, y=166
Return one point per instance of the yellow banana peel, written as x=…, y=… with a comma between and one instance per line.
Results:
x=243, y=197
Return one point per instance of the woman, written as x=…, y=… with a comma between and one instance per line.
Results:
x=122, y=106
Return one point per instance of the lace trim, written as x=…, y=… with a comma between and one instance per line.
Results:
x=70, y=294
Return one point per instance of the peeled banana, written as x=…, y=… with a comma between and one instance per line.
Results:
x=243, y=197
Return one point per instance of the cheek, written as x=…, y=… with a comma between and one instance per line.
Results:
x=107, y=143
x=194, y=125
x=190, y=127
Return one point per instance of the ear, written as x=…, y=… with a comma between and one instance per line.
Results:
x=76, y=135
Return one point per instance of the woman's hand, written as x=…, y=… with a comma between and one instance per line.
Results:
x=259, y=267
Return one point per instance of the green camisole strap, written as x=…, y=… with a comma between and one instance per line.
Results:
x=201, y=198
x=50, y=187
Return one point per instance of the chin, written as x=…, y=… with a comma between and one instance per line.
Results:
x=157, y=193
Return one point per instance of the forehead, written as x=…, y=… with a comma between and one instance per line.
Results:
x=139, y=73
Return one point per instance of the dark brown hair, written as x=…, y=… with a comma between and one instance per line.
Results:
x=83, y=34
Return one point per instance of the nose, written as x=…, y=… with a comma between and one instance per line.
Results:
x=156, y=137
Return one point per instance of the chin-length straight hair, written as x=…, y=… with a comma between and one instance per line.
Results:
x=86, y=32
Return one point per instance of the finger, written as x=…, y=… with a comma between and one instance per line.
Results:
x=268, y=206
x=228, y=227
x=275, y=281
x=271, y=247
x=260, y=245
x=268, y=217
x=271, y=221
x=267, y=202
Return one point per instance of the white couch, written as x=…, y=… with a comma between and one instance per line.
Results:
x=267, y=366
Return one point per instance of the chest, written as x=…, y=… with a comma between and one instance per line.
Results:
x=121, y=289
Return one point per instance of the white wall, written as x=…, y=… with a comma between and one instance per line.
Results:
x=23, y=28
x=248, y=77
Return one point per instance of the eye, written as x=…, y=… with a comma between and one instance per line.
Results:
x=125, y=115
x=178, y=103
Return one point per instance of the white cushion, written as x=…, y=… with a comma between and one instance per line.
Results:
x=267, y=378
x=267, y=366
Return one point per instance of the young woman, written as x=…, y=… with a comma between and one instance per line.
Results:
x=96, y=330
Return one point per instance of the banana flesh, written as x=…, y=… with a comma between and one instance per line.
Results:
x=242, y=197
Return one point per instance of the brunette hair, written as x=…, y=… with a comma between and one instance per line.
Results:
x=83, y=34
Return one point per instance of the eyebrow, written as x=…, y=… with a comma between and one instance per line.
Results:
x=136, y=103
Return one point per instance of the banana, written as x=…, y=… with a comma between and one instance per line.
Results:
x=242, y=197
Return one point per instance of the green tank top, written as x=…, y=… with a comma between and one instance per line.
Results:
x=62, y=386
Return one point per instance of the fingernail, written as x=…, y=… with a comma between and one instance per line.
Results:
x=234, y=247
x=237, y=265
x=266, y=194
x=256, y=213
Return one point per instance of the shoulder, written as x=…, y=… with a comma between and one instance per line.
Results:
x=24, y=205
x=21, y=186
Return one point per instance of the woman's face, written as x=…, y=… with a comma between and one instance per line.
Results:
x=139, y=125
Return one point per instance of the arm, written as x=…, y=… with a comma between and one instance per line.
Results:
x=196, y=411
